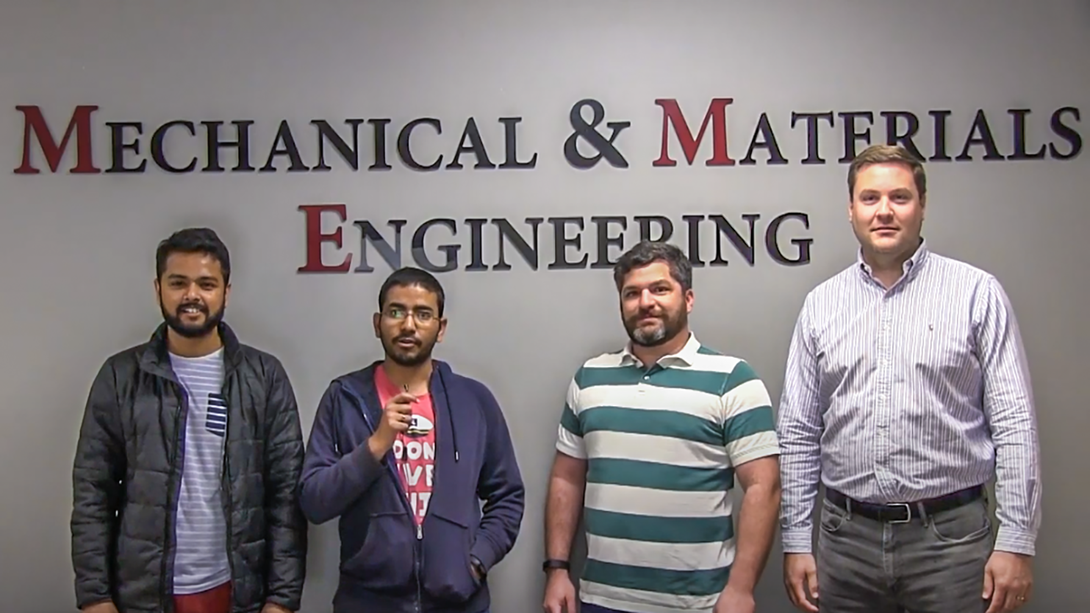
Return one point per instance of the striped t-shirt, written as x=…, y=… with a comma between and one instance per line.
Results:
x=201, y=530
x=661, y=444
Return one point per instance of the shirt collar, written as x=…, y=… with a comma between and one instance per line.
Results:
x=909, y=269
x=686, y=356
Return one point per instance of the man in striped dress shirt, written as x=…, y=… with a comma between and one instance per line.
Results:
x=651, y=439
x=906, y=391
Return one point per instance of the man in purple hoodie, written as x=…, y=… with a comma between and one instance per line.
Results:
x=402, y=452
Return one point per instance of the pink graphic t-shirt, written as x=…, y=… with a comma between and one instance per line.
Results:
x=414, y=448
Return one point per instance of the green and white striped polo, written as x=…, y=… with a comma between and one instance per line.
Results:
x=661, y=444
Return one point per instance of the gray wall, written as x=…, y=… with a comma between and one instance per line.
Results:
x=76, y=251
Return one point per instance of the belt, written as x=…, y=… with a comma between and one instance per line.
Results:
x=904, y=512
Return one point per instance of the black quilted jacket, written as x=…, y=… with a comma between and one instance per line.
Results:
x=127, y=475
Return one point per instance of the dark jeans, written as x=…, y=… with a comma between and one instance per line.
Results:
x=930, y=565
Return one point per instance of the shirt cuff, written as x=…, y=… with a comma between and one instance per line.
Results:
x=798, y=540
x=1013, y=540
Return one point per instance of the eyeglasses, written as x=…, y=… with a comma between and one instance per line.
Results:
x=422, y=316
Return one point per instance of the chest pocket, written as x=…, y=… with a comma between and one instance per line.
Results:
x=938, y=349
x=215, y=418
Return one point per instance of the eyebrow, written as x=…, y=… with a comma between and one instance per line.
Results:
x=180, y=277
x=398, y=305
x=654, y=283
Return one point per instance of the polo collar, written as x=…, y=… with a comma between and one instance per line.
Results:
x=686, y=356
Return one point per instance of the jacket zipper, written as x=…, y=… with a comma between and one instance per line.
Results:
x=404, y=496
x=225, y=481
x=180, y=419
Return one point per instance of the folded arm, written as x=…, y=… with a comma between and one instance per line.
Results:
x=333, y=481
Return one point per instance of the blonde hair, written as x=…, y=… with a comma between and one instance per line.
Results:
x=888, y=154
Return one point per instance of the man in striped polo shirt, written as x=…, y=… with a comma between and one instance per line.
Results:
x=651, y=439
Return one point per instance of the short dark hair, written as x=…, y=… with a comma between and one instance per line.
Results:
x=647, y=252
x=193, y=240
x=408, y=276
x=888, y=154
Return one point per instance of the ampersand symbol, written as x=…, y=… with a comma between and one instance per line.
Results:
x=586, y=130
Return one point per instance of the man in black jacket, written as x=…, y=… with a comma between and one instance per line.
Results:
x=188, y=458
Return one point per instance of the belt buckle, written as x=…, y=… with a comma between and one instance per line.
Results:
x=908, y=512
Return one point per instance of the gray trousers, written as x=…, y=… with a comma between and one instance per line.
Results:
x=930, y=565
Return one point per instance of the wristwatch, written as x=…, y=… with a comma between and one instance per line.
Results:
x=477, y=566
x=551, y=564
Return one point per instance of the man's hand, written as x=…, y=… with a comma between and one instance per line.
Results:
x=559, y=593
x=734, y=600
x=397, y=416
x=800, y=580
x=274, y=608
x=1008, y=581
x=101, y=607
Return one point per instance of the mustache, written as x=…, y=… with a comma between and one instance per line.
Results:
x=199, y=306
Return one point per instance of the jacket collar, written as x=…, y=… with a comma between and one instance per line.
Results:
x=156, y=360
x=361, y=383
x=364, y=380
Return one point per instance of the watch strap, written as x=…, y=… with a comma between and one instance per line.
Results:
x=558, y=564
x=477, y=564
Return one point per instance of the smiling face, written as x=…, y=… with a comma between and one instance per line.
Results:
x=654, y=307
x=192, y=293
x=886, y=212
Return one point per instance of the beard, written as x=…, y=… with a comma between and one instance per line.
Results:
x=408, y=356
x=174, y=320
x=668, y=326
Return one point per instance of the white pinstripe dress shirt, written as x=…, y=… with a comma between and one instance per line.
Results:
x=909, y=393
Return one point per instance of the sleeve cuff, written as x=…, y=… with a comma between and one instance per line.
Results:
x=570, y=450
x=756, y=453
x=484, y=551
x=798, y=540
x=1013, y=540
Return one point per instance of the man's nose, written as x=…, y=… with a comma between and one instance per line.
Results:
x=646, y=299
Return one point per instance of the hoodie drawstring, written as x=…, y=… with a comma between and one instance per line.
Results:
x=450, y=411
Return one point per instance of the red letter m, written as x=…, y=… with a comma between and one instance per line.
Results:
x=672, y=115
x=36, y=128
